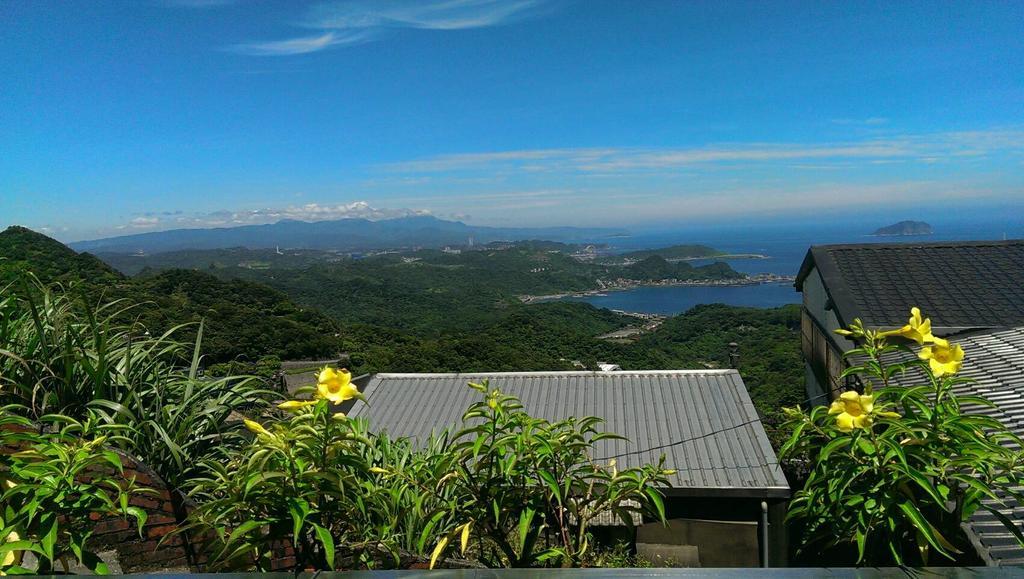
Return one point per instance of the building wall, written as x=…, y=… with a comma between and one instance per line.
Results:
x=822, y=347
x=725, y=532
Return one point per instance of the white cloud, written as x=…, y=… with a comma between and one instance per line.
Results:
x=300, y=45
x=424, y=14
x=144, y=222
x=306, y=212
x=350, y=22
x=923, y=147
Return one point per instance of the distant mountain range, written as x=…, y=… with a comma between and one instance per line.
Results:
x=905, y=228
x=342, y=234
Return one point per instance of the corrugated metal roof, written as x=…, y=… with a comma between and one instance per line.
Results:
x=702, y=420
x=995, y=360
x=959, y=285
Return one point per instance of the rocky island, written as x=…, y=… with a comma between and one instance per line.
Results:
x=905, y=228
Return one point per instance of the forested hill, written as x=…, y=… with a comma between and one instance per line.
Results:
x=428, y=292
x=23, y=250
x=343, y=234
x=430, y=311
x=243, y=319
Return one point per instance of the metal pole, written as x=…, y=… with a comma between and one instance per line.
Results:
x=764, y=533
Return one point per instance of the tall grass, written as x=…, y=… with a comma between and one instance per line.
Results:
x=60, y=354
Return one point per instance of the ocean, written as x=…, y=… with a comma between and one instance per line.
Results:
x=786, y=247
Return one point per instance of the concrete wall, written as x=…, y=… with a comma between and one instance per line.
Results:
x=720, y=531
x=700, y=543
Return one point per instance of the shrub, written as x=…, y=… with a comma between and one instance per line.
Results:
x=508, y=489
x=526, y=490
x=53, y=488
x=896, y=470
x=296, y=483
x=60, y=355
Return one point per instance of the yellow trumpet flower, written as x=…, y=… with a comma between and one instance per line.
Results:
x=918, y=329
x=853, y=410
x=336, y=385
x=943, y=358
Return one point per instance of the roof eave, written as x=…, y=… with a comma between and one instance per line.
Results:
x=774, y=492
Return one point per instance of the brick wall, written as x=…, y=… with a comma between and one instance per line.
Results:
x=148, y=551
x=153, y=549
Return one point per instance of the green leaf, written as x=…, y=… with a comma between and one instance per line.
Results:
x=1010, y=525
x=659, y=505
x=835, y=444
x=525, y=519
x=328, y=542
x=930, y=533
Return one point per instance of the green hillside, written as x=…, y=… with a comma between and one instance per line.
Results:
x=431, y=311
x=243, y=319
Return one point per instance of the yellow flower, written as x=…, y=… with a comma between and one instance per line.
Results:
x=853, y=409
x=918, y=329
x=296, y=404
x=336, y=385
x=943, y=357
x=256, y=428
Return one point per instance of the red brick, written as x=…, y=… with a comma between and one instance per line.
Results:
x=159, y=518
x=160, y=531
x=144, y=502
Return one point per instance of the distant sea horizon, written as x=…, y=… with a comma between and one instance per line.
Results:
x=785, y=248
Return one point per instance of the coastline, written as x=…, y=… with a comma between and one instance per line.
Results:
x=621, y=285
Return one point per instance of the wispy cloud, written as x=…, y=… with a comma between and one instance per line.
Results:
x=141, y=223
x=346, y=23
x=424, y=14
x=865, y=122
x=200, y=3
x=301, y=45
x=922, y=148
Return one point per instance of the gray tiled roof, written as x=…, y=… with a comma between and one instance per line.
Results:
x=960, y=285
x=995, y=360
x=725, y=450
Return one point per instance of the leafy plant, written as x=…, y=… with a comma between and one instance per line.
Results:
x=54, y=488
x=896, y=470
x=294, y=484
x=525, y=491
x=404, y=505
x=60, y=355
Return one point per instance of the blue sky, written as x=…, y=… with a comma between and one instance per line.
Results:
x=123, y=117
